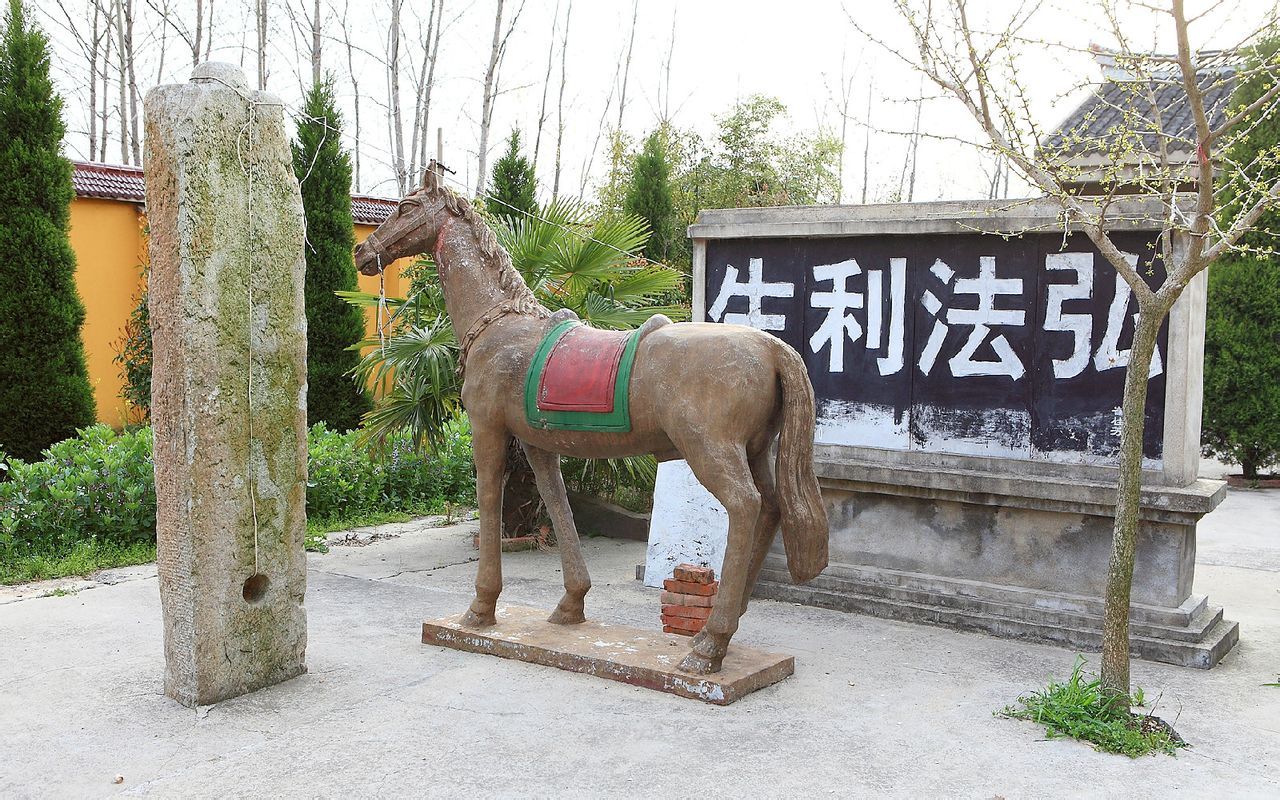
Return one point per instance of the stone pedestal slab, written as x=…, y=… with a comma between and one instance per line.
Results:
x=615, y=652
x=229, y=385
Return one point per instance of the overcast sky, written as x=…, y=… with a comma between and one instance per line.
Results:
x=723, y=50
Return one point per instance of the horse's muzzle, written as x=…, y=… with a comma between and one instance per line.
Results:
x=367, y=261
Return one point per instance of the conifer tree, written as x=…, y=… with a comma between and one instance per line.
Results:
x=649, y=198
x=44, y=385
x=333, y=326
x=513, y=184
x=1242, y=331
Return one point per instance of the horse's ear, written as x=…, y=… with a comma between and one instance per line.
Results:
x=430, y=178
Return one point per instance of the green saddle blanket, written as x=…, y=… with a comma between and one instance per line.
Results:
x=580, y=378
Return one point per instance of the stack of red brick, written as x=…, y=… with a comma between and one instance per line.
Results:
x=687, y=599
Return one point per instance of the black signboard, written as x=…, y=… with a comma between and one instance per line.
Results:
x=964, y=343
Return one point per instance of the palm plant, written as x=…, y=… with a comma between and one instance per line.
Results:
x=570, y=260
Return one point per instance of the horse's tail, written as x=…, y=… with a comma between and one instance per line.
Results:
x=804, y=521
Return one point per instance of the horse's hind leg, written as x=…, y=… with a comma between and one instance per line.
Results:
x=489, y=447
x=724, y=471
x=766, y=523
x=546, y=469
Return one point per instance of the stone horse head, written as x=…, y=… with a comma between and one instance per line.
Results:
x=414, y=227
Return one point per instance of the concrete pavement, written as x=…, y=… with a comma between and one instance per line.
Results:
x=875, y=707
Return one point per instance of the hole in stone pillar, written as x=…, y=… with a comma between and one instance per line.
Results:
x=255, y=588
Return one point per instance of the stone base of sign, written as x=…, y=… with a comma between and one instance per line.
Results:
x=1012, y=555
x=615, y=652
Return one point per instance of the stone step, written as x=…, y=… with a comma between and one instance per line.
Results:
x=1158, y=643
x=1198, y=623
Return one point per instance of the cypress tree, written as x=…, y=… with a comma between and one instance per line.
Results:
x=1242, y=331
x=333, y=326
x=44, y=385
x=649, y=197
x=513, y=184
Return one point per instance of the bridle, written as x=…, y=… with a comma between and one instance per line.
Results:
x=410, y=223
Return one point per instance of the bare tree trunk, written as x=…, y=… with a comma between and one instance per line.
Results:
x=915, y=143
x=626, y=70
x=164, y=40
x=491, y=82
x=846, y=92
x=433, y=54
x=393, y=98
x=93, y=81
x=106, y=85
x=135, y=138
x=664, y=90
x=261, y=19
x=419, y=77
x=355, y=91
x=589, y=161
x=1115, y=613
x=208, y=39
x=866, y=141
x=546, y=82
x=316, y=44
x=564, y=58
x=122, y=58
x=199, y=34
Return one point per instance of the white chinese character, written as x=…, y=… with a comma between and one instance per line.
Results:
x=986, y=287
x=839, y=300
x=839, y=325
x=893, y=361
x=755, y=290
x=1108, y=356
x=1081, y=325
x=929, y=354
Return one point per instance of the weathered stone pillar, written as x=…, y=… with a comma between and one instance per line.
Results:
x=228, y=399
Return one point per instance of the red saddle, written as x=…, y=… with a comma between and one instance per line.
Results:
x=581, y=371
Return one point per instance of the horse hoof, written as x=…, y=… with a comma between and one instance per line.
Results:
x=696, y=664
x=471, y=619
x=563, y=617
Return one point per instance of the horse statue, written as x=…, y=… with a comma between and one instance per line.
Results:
x=715, y=395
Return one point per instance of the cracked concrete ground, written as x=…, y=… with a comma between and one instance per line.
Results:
x=875, y=707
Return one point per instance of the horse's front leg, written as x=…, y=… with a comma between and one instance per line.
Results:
x=546, y=469
x=489, y=447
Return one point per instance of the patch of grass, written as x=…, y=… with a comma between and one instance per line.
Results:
x=61, y=592
x=1077, y=708
x=83, y=558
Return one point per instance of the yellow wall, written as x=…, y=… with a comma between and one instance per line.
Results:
x=107, y=236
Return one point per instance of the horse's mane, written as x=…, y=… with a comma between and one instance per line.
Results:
x=509, y=279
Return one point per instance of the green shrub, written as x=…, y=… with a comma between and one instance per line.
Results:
x=92, y=500
x=96, y=487
x=345, y=481
x=133, y=356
